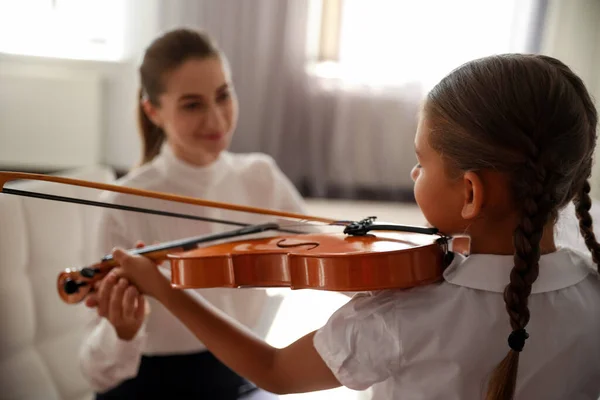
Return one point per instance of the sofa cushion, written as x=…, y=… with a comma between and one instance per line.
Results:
x=41, y=335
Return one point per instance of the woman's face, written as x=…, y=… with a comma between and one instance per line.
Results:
x=198, y=110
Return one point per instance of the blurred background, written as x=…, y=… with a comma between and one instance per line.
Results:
x=329, y=88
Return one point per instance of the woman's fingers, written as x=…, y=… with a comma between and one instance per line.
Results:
x=91, y=300
x=129, y=302
x=116, y=301
x=140, y=310
x=104, y=294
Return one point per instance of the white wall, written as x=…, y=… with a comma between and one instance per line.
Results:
x=573, y=36
x=121, y=146
x=572, y=33
x=49, y=115
x=24, y=100
x=34, y=90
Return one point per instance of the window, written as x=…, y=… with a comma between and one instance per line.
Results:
x=75, y=29
x=330, y=30
x=392, y=42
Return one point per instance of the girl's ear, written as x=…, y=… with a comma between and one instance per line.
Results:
x=473, y=195
x=152, y=112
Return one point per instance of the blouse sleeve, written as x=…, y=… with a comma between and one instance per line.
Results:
x=360, y=343
x=105, y=359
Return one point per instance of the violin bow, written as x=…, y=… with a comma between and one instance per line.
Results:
x=352, y=227
x=13, y=176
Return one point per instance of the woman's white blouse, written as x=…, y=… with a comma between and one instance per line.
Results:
x=251, y=179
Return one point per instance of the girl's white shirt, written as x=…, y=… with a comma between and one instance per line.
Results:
x=251, y=179
x=442, y=341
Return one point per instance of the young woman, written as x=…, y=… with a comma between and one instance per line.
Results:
x=187, y=115
x=506, y=141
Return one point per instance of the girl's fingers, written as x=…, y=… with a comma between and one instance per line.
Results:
x=129, y=300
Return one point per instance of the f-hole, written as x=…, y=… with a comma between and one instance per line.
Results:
x=280, y=244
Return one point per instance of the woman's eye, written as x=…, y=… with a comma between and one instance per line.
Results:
x=191, y=106
x=223, y=96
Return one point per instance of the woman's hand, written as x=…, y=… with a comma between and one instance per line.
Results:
x=120, y=303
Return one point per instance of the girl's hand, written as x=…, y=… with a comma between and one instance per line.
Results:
x=120, y=303
x=92, y=298
x=294, y=369
x=142, y=272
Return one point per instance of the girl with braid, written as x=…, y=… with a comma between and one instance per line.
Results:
x=503, y=144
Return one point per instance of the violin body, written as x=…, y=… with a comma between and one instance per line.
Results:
x=323, y=261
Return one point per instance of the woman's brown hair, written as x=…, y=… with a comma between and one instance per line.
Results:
x=164, y=54
x=530, y=117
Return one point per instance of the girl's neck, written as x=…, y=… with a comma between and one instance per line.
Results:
x=499, y=240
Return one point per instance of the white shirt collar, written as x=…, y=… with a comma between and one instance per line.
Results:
x=489, y=272
x=188, y=174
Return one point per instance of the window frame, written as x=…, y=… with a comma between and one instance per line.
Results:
x=330, y=30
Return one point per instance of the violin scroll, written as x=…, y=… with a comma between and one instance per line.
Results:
x=74, y=285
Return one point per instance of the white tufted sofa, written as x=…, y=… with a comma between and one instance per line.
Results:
x=40, y=335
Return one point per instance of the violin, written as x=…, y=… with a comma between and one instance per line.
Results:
x=364, y=256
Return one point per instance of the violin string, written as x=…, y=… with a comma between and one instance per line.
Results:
x=303, y=223
x=45, y=196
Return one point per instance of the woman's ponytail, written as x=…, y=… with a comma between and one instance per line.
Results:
x=152, y=135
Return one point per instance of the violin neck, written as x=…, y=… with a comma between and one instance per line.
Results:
x=159, y=251
x=192, y=243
